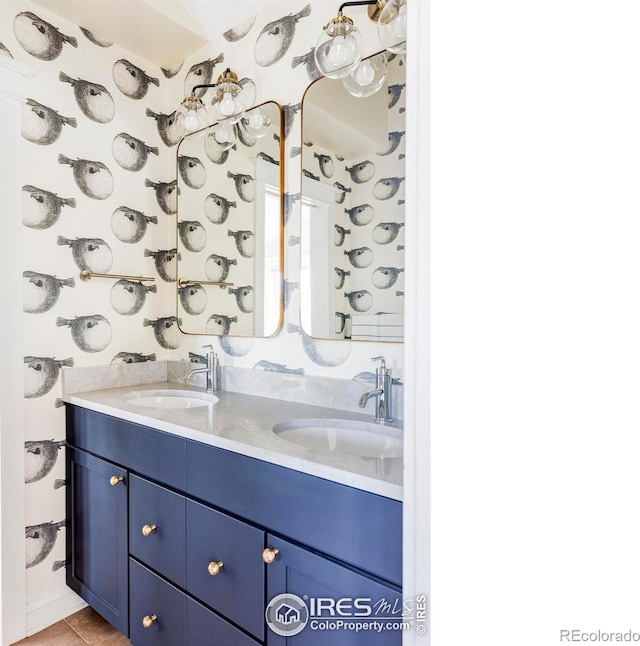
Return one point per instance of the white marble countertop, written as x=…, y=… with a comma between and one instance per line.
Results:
x=243, y=424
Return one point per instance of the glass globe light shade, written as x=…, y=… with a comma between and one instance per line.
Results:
x=368, y=77
x=256, y=123
x=247, y=97
x=339, y=49
x=222, y=136
x=392, y=26
x=225, y=101
x=192, y=116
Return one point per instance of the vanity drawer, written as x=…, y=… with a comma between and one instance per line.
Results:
x=205, y=628
x=348, y=524
x=147, y=451
x=153, y=598
x=157, y=528
x=237, y=589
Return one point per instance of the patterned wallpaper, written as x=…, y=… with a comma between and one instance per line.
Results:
x=91, y=154
x=99, y=192
x=275, y=50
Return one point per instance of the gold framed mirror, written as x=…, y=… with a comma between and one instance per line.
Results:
x=230, y=226
x=352, y=209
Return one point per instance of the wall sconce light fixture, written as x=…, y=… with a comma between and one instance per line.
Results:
x=192, y=114
x=229, y=101
x=338, y=52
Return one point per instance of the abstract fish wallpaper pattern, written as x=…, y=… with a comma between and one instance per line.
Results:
x=274, y=50
x=99, y=187
x=88, y=148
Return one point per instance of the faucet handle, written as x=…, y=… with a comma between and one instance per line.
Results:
x=383, y=365
x=211, y=354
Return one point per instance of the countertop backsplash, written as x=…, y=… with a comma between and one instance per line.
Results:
x=340, y=394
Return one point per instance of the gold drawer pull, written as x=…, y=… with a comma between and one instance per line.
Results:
x=147, y=530
x=215, y=567
x=269, y=555
x=149, y=620
x=115, y=480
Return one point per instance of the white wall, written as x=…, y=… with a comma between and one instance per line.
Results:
x=12, y=550
x=535, y=321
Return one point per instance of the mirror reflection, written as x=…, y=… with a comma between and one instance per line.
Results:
x=352, y=210
x=229, y=237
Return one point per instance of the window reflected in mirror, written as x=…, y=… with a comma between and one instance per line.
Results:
x=352, y=210
x=229, y=237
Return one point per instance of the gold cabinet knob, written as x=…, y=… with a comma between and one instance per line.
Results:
x=149, y=620
x=215, y=567
x=147, y=530
x=269, y=555
x=115, y=480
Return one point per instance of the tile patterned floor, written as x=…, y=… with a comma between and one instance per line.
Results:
x=84, y=628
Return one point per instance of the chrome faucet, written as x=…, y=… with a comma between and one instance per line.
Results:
x=212, y=371
x=383, y=393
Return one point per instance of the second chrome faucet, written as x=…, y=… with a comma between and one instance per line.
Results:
x=383, y=393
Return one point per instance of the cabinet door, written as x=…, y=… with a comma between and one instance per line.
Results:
x=224, y=566
x=97, y=536
x=320, y=583
x=158, y=610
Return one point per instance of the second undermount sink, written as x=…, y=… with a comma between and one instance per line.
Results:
x=345, y=437
x=170, y=399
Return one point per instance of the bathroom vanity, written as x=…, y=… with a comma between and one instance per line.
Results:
x=183, y=525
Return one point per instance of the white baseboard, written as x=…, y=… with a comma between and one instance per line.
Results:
x=51, y=608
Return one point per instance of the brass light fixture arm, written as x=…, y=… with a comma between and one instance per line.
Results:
x=376, y=6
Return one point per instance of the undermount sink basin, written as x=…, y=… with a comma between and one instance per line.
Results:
x=169, y=399
x=345, y=437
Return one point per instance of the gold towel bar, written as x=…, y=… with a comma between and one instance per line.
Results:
x=85, y=274
x=183, y=282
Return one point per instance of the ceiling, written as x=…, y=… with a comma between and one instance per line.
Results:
x=160, y=31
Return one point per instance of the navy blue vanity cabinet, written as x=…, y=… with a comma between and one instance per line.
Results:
x=171, y=540
x=318, y=580
x=97, y=536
